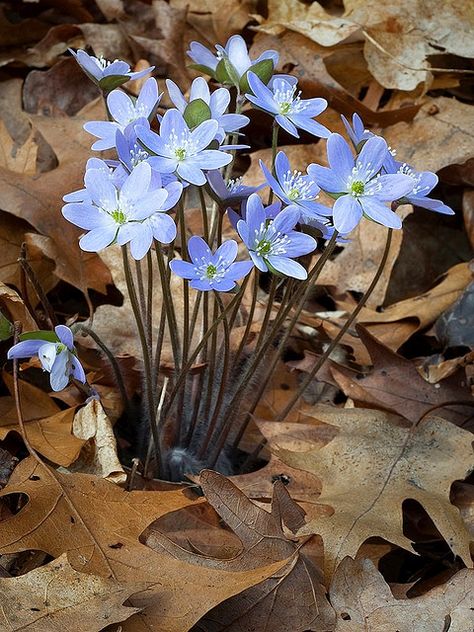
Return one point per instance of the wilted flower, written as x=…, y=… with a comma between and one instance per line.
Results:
x=110, y=212
x=56, y=353
x=232, y=61
x=284, y=103
x=107, y=74
x=359, y=187
x=207, y=106
x=272, y=244
x=207, y=271
x=124, y=111
x=294, y=188
x=179, y=150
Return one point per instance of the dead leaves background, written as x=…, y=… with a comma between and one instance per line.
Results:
x=267, y=549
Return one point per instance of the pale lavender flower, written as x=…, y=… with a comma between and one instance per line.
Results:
x=233, y=54
x=356, y=182
x=217, y=102
x=272, y=244
x=110, y=212
x=179, y=150
x=284, y=103
x=229, y=192
x=125, y=112
x=271, y=211
x=56, y=353
x=107, y=74
x=116, y=177
x=423, y=182
x=207, y=271
x=294, y=188
x=357, y=132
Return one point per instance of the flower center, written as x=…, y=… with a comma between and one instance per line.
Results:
x=294, y=193
x=60, y=347
x=298, y=187
x=180, y=153
x=285, y=107
x=211, y=271
x=357, y=188
x=264, y=247
x=119, y=216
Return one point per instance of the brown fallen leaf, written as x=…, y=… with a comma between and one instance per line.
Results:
x=363, y=601
x=15, y=308
x=56, y=597
x=292, y=598
x=99, y=453
x=98, y=525
x=395, y=384
x=371, y=467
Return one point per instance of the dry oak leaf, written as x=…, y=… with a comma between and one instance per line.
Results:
x=364, y=602
x=37, y=198
x=293, y=598
x=395, y=384
x=98, y=525
x=371, y=467
x=56, y=597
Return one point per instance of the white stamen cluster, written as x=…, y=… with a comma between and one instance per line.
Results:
x=406, y=170
x=296, y=187
x=104, y=63
x=287, y=102
x=214, y=272
x=269, y=243
x=360, y=176
x=234, y=185
x=137, y=155
x=181, y=146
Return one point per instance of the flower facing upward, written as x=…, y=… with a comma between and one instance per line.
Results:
x=112, y=214
x=107, y=74
x=208, y=271
x=179, y=150
x=294, y=188
x=55, y=352
x=272, y=244
x=284, y=103
x=356, y=181
x=125, y=112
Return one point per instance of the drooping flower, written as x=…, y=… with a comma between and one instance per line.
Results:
x=294, y=188
x=232, y=61
x=357, y=132
x=107, y=74
x=217, y=104
x=423, y=182
x=273, y=244
x=284, y=103
x=125, y=112
x=229, y=192
x=110, y=211
x=208, y=271
x=56, y=353
x=358, y=185
x=179, y=150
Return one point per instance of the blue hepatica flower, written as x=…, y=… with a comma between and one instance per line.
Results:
x=179, y=150
x=284, y=103
x=357, y=182
x=234, y=52
x=134, y=213
x=229, y=192
x=107, y=74
x=115, y=176
x=294, y=188
x=207, y=271
x=217, y=102
x=56, y=354
x=125, y=112
x=423, y=182
x=273, y=244
x=357, y=132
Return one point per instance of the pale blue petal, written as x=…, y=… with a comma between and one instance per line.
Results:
x=101, y=189
x=163, y=227
x=199, y=90
x=121, y=107
x=286, y=220
x=65, y=335
x=219, y=101
x=310, y=126
x=327, y=179
x=163, y=164
x=287, y=125
x=25, y=349
x=347, y=213
x=152, y=142
x=187, y=170
x=371, y=157
x=47, y=355
x=202, y=56
x=199, y=250
x=136, y=185
x=237, y=52
x=210, y=159
x=258, y=261
x=238, y=270
x=140, y=244
x=59, y=377
x=431, y=205
x=98, y=238
x=376, y=210
x=340, y=159
x=148, y=98
x=389, y=187
x=282, y=165
x=176, y=96
x=204, y=134
x=77, y=369
x=226, y=251
x=288, y=267
x=300, y=244
x=183, y=269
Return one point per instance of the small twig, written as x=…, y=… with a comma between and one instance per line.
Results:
x=33, y=279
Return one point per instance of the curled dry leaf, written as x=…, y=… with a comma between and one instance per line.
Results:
x=99, y=454
x=371, y=467
x=363, y=601
x=98, y=525
x=56, y=597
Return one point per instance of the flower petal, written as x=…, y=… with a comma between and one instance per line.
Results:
x=376, y=210
x=198, y=250
x=340, y=158
x=121, y=107
x=347, y=213
x=288, y=267
x=65, y=335
x=25, y=349
x=328, y=179
x=59, y=377
x=371, y=158
x=183, y=269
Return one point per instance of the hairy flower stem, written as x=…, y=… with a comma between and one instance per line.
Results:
x=147, y=359
x=185, y=257
x=28, y=271
x=168, y=304
x=87, y=331
x=275, y=130
x=211, y=365
x=308, y=379
x=149, y=299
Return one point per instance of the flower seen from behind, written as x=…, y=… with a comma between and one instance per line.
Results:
x=284, y=103
x=273, y=244
x=358, y=185
x=56, y=353
x=207, y=271
x=107, y=74
x=179, y=150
